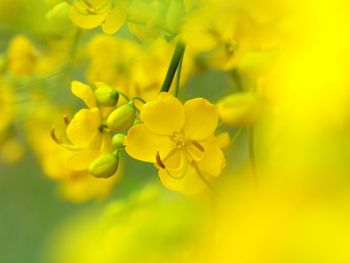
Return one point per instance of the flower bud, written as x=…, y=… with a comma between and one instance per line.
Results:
x=104, y=166
x=106, y=95
x=241, y=109
x=118, y=141
x=122, y=118
x=59, y=13
x=255, y=64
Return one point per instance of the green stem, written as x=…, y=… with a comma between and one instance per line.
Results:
x=73, y=49
x=236, y=135
x=174, y=63
x=178, y=76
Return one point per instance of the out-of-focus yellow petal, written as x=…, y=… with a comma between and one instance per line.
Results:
x=240, y=109
x=186, y=181
x=81, y=186
x=165, y=115
x=213, y=160
x=84, y=126
x=84, y=92
x=144, y=145
x=85, y=20
x=80, y=160
x=114, y=20
x=223, y=140
x=201, y=119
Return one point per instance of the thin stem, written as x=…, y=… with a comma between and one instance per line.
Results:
x=139, y=99
x=252, y=154
x=73, y=49
x=174, y=63
x=236, y=135
x=123, y=95
x=178, y=76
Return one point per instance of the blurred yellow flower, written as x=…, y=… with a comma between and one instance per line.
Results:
x=240, y=109
x=90, y=14
x=22, y=56
x=136, y=69
x=114, y=233
x=180, y=140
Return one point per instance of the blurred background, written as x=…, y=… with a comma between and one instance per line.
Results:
x=289, y=204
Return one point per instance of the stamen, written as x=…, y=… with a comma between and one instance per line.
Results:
x=66, y=120
x=159, y=161
x=199, y=147
x=87, y=3
x=54, y=137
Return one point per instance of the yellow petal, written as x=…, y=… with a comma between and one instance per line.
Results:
x=223, y=140
x=163, y=116
x=84, y=126
x=83, y=19
x=189, y=183
x=213, y=160
x=194, y=151
x=144, y=145
x=201, y=119
x=82, y=159
x=114, y=20
x=175, y=162
x=84, y=92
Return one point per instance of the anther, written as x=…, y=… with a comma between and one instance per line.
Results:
x=54, y=137
x=199, y=147
x=66, y=120
x=159, y=161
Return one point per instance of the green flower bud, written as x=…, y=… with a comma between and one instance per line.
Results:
x=240, y=109
x=118, y=141
x=106, y=95
x=122, y=118
x=104, y=166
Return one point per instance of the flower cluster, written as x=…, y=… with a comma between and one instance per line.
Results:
x=140, y=69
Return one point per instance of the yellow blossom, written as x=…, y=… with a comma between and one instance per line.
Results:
x=84, y=133
x=180, y=140
x=76, y=186
x=90, y=14
x=22, y=56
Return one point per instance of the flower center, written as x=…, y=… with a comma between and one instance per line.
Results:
x=179, y=139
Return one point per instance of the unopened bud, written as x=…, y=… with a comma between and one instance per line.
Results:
x=241, y=109
x=106, y=95
x=118, y=141
x=104, y=166
x=59, y=13
x=122, y=118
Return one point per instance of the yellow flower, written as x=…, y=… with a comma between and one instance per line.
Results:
x=22, y=56
x=180, y=140
x=90, y=14
x=76, y=186
x=84, y=133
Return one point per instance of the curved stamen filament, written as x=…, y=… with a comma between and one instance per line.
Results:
x=198, y=145
x=159, y=161
x=161, y=164
x=59, y=141
x=53, y=135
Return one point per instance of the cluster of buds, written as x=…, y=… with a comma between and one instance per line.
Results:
x=95, y=135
